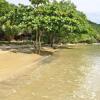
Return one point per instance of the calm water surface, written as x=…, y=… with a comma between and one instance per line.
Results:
x=70, y=74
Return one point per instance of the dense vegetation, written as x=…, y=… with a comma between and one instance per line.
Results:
x=45, y=22
x=96, y=27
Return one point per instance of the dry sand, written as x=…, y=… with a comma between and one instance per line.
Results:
x=14, y=63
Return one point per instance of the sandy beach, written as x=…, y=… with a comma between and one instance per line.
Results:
x=12, y=64
x=15, y=59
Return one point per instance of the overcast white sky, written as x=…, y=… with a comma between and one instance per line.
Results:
x=90, y=7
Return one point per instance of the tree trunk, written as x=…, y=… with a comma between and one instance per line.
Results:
x=36, y=42
x=52, y=40
x=39, y=42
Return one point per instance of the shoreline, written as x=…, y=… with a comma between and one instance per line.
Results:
x=15, y=63
x=74, y=45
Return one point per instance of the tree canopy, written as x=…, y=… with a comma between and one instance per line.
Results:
x=47, y=22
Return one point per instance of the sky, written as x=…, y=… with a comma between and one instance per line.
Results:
x=90, y=7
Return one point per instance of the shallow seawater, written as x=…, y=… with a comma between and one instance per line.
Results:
x=70, y=74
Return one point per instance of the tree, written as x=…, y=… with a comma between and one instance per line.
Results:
x=47, y=22
x=38, y=22
x=37, y=2
x=5, y=7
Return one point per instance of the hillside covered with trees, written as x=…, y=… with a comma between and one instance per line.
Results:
x=45, y=22
x=96, y=27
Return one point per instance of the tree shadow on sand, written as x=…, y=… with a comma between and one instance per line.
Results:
x=28, y=49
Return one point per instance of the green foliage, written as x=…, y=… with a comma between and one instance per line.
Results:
x=37, y=2
x=5, y=7
x=47, y=22
x=96, y=28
